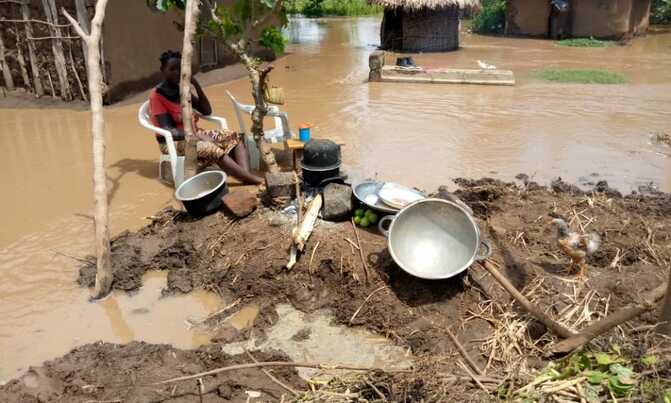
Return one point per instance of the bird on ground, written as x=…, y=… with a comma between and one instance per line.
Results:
x=577, y=246
x=485, y=66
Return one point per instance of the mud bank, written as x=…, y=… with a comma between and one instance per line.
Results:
x=243, y=260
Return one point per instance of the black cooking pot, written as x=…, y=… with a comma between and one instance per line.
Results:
x=321, y=161
x=201, y=194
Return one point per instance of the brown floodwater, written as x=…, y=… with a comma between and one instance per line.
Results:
x=417, y=134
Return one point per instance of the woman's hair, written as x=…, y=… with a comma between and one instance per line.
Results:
x=169, y=54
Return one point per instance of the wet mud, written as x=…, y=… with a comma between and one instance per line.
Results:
x=244, y=259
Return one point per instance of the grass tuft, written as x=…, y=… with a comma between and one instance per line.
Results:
x=581, y=76
x=584, y=43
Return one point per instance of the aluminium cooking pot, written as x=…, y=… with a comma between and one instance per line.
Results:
x=434, y=239
x=201, y=194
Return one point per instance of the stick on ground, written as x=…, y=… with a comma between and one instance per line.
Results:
x=463, y=352
x=526, y=304
x=274, y=364
x=600, y=327
x=363, y=259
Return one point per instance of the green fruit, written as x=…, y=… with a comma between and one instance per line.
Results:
x=364, y=222
x=358, y=212
x=357, y=220
x=372, y=218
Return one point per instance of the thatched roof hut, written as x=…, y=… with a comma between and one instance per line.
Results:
x=421, y=25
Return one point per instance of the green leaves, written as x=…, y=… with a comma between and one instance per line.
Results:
x=273, y=39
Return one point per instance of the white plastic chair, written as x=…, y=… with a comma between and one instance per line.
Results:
x=279, y=134
x=176, y=161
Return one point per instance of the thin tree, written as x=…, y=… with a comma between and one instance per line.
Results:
x=235, y=26
x=191, y=12
x=101, y=214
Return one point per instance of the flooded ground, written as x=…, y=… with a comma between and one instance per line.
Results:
x=420, y=135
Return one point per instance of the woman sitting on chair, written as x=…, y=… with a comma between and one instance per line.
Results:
x=213, y=146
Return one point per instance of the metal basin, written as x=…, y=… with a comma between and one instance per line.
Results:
x=201, y=194
x=367, y=191
x=434, y=239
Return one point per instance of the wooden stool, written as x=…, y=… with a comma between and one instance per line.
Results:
x=296, y=147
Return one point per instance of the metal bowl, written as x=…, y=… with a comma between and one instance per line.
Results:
x=366, y=193
x=434, y=239
x=201, y=194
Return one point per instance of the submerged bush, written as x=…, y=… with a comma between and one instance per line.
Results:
x=491, y=18
x=581, y=76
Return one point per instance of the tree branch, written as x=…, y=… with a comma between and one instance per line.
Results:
x=264, y=18
x=75, y=25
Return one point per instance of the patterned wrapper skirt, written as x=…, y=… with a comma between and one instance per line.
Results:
x=212, y=145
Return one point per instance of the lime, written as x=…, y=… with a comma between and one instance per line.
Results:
x=372, y=218
x=358, y=212
x=364, y=222
x=357, y=220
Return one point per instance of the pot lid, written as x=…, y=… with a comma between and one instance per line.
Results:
x=321, y=155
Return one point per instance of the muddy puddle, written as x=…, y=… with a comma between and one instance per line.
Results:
x=120, y=318
x=420, y=135
x=314, y=338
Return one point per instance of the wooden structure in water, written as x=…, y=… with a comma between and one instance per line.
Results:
x=380, y=71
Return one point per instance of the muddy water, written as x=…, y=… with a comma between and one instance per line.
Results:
x=420, y=135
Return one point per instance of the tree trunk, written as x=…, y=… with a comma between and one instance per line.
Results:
x=6, y=72
x=102, y=242
x=22, y=61
x=666, y=311
x=37, y=81
x=84, y=21
x=57, y=48
x=190, y=22
x=258, y=77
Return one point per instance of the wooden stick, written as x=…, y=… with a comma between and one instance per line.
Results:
x=28, y=20
x=51, y=13
x=274, y=364
x=21, y=60
x=363, y=259
x=526, y=304
x=272, y=377
x=364, y=303
x=312, y=256
x=301, y=233
x=598, y=328
x=665, y=317
x=6, y=72
x=46, y=38
x=476, y=380
x=463, y=352
x=299, y=201
x=32, y=53
x=51, y=83
x=74, y=70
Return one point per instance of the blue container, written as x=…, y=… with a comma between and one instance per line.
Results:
x=304, y=133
